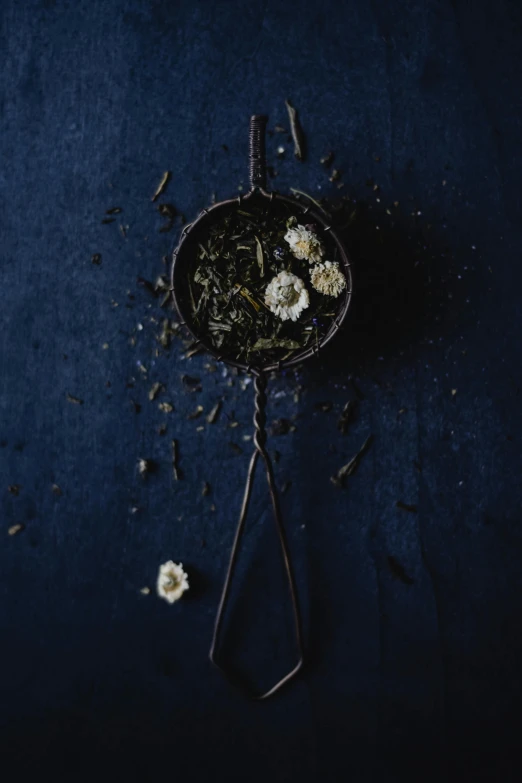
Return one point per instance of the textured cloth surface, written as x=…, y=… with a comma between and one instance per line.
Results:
x=411, y=616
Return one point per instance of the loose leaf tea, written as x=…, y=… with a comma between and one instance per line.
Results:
x=349, y=469
x=162, y=185
x=297, y=131
x=250, y=289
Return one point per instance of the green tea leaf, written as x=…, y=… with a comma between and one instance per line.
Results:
x=260, y=257
x=265, y=343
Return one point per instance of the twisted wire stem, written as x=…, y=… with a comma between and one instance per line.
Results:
x=257, y=151
x=259, y=451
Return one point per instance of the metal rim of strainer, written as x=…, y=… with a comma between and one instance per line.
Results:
x=258, y=191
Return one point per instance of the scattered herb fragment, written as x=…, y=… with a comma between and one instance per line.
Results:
x=347, y=416
x=398, y=571
x=155, y=390
x=162, y=185
x=74, y=400
x=267, y=343
x=145, y=591
x=296, y=131
x=335, y=175
x=136, y=406
x=406, y=507
x=14, y=529
x=162, y=429
x=108, y=220
x=166, y=407
x=286, y=486
x=56, y=490
x=175, y=457
x=260, y=257
x=14, y=489
x=145, y=466
x=349, y=469
x=196, y=413
x=96, y=259
x=206, y=489
x=214, y=413
x=113, y=211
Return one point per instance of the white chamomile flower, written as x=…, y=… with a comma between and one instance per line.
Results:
x=286, y=296
x=304, y=244
x=328, y=279
x=172, y=581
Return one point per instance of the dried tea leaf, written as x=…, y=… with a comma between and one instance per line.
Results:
x=297, y=131
x=194, y=349
x=349, y=469
x=14, y=489
x=96, y=259
x=260, y=257
x=175, y=457
x=406, y=507
x=266, y=343
x=145, y=466
x=398, y=571
x=162, y=429
x=14, y=529
x=347, y=416
x=145, y=591
x=162, y=283
x=113, y=211
x=197, y=413
x=214, y=413
x=74, y=400
x=166, y=407
x=168, y=330
x=206, y=489
x=162, y=185
x=155, y=390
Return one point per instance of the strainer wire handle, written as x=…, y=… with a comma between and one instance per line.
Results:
x=257, y=152
x=259, y=451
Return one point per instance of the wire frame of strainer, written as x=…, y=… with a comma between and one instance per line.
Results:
x=183, y=258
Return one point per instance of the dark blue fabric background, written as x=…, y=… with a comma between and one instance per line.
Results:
x=414, y=678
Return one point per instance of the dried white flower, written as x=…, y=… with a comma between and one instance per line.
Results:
x=328, y=279
x=172, y=581
x=286, y=296
x=304, y=244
